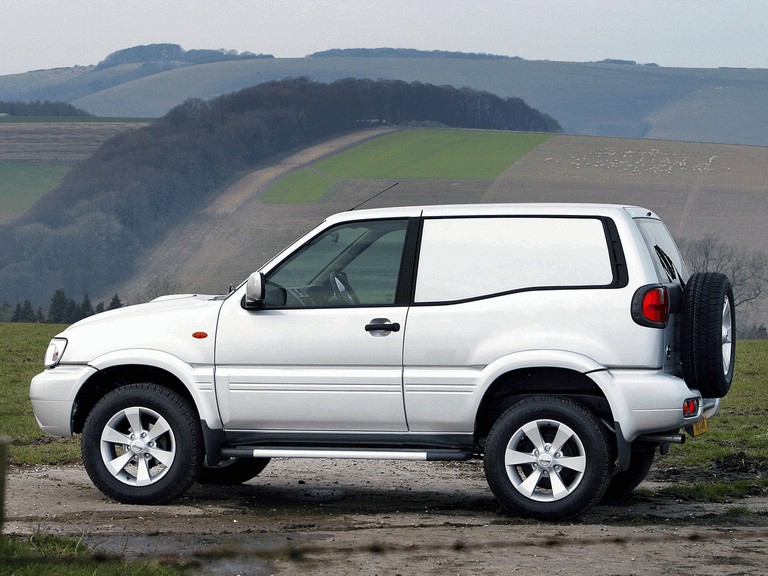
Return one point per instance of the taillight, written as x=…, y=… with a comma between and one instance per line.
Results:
x=690, y=408
x=650, y=306
x=656, y=305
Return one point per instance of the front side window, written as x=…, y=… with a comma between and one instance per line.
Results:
x=352, y=264
x=467, y=258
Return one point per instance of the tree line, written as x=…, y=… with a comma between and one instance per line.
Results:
x=406, y=53
x=173, y=53
x=110, y=209
x=62, y=310
x=38, y=108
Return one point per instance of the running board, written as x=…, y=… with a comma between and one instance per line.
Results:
x=430, y=455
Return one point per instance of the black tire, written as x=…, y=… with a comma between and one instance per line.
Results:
x=132, y=461
x=580, y=463
x=623, y=483
x=708, y=330
x=232, y=471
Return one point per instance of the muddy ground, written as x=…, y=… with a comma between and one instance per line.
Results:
x=380, y=517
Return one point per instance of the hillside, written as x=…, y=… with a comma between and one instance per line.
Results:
x=602, y=98
x=114, y=206
x=698, y=189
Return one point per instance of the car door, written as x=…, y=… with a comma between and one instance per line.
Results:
x=324, y=351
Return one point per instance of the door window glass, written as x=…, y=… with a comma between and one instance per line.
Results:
x=352, y=264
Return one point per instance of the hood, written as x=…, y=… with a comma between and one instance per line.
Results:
x=166, y=324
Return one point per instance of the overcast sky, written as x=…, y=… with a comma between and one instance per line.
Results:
x=38, y=34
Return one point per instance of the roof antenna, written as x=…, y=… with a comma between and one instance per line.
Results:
x=372, y=197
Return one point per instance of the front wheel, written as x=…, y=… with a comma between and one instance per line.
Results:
x=547, y=457
x=142, y=444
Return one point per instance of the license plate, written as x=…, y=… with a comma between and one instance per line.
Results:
x=700, y=427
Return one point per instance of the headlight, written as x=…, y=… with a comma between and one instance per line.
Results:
x=55, y=352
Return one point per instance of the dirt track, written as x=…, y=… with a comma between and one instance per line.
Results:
x=360, y=517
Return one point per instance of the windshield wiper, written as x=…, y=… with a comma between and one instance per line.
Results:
x=669, y=266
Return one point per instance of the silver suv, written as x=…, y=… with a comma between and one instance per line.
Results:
x=563, y=344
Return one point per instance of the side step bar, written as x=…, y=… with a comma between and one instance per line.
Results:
x=430, y=455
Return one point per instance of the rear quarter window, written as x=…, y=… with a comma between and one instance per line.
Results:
x=467, y=258
x=655, y=233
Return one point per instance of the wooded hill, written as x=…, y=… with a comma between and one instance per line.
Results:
x=609, y=98
x=111, y=208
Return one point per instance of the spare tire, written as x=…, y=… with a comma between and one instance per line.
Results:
x=708, y=325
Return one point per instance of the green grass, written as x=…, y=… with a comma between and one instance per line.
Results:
x=23, y=183
x=437, y=154
x=737, y=435
x=433, y=154
x=52, y=556
x=299, y=187
x=715, y=491
x=22, y=347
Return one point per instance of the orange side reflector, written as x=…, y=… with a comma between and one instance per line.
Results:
x=200, y=335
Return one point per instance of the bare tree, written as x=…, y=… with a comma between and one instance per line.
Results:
x=158, y=286
x=748, y=270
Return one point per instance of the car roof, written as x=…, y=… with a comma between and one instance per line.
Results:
x=509, y=209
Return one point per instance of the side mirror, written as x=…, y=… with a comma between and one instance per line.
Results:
x=254, y=291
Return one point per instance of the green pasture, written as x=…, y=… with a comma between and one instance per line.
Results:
x=434, y=154
x=300, y=186
x=22, y=183
x=737, y=434
x=42, y=555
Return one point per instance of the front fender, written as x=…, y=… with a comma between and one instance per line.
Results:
x=197, y=379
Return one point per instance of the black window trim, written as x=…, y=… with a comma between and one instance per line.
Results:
x=613, y=243
x=406, y=274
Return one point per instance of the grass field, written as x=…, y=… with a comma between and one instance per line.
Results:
x=299, y=187
x=433, y=154
x=736, y=441
x=408, y=154
x=737, y=434
x=22, y=183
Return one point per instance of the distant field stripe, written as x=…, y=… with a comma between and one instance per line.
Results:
x=23, y=183
x=298, y=187
x=433, y=154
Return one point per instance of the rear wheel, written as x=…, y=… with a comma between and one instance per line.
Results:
x=547, y=457
x=623, y=483
x=708, y=325
x=232, y=471
x=142, y=444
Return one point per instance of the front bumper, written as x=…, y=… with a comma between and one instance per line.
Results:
x=53, y=395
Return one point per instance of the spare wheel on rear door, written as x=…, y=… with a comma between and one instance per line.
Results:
x=708, y=324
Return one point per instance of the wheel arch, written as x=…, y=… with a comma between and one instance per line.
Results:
x=512, y=386
x=114, y=370
x=104, y=381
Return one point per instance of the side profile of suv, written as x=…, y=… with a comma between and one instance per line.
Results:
x=564, y=344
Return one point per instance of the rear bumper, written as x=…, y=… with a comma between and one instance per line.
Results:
x=53, y=394
x=648, y=401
